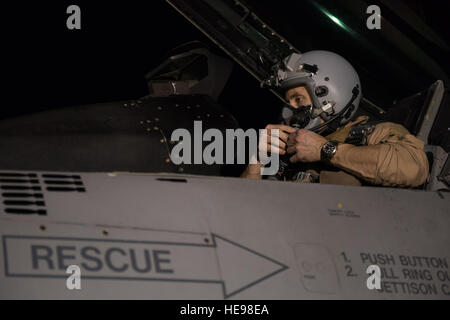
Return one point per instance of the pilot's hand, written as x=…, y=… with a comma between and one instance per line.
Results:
x=281, y=139
x=253, y=171
x=305, y=146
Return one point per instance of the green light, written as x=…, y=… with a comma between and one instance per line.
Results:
x=333, y=18
x=336, y=20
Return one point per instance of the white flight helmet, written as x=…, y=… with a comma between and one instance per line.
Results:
x=331, y=81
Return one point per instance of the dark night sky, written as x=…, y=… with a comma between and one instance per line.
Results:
x=106, y=60
x=49, y=66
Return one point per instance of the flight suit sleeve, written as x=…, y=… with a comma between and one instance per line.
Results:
x=393, y=157
x=401, y=160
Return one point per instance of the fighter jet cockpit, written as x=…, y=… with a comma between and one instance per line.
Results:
x=197, y=81
x=178, y=176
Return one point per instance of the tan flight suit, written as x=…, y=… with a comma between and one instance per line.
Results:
x=401, y=161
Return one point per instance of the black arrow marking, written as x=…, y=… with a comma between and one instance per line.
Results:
x=212, y=246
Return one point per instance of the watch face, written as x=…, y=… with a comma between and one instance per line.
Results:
x=328, y=150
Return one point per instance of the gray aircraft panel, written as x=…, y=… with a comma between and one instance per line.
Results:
x=215, y=238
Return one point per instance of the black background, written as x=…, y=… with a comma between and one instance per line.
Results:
x=279, y=309
x=48, y=66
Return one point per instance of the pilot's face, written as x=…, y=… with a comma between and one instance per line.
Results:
x=298, y=97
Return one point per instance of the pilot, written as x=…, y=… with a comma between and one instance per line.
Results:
x=319, y=139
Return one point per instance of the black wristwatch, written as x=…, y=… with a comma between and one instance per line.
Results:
x=328, y=150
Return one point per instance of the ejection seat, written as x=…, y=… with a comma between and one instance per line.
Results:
x=426, y=114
